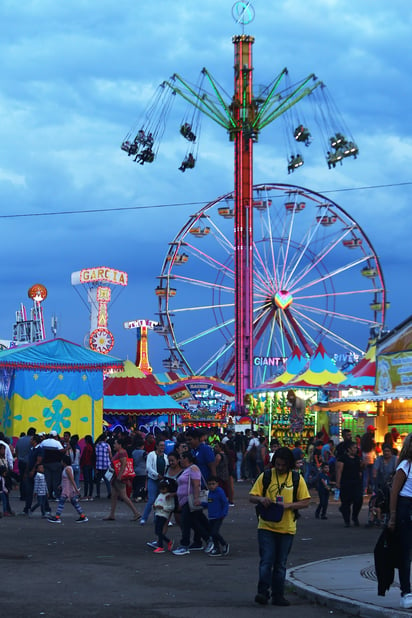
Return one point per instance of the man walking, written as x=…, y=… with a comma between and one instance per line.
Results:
x=278, y=495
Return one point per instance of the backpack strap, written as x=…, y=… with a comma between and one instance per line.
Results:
x=295, y=481
x=267, y=477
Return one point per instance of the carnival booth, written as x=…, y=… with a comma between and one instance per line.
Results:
x=206, y=400
x=394, y=376
x=54, y=386
x=133, y=398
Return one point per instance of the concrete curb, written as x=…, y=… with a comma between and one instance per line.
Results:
x=296, y=578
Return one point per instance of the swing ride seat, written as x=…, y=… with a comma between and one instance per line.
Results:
x=338, y=141
x=126, y=146
x=302, y=134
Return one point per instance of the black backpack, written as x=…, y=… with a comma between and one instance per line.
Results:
x=267, y=477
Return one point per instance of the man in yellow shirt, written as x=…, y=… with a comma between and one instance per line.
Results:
x=276, y=529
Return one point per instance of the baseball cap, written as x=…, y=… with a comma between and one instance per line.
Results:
x=370, y=428
x=53, y=432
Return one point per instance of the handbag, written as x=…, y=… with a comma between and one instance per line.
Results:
x=108, y=475
x=129, y=472
x=203, y=498
x=273, y=512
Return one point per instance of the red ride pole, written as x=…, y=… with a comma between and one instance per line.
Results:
x=243, y=112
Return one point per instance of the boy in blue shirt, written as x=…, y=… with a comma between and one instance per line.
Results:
x=217, y=509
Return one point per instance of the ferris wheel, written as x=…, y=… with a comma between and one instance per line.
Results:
x=316, y=277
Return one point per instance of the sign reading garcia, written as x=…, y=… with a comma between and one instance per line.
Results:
x=100, y=273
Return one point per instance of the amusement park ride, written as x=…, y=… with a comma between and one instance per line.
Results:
x=265, y=266
x=31, y=329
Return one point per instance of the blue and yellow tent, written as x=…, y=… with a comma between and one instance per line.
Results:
x=53, y=385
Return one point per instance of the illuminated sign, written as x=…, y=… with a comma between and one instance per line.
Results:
x=140, y=323
x=101, y=273
x=270, y=361
x=394, y=373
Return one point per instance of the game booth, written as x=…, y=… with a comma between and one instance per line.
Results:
x=53, y=385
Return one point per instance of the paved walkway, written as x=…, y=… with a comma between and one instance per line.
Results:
x=347, y=584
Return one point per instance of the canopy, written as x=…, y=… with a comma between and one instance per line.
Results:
x=53, y=385
x=363, y=375
x=57, y=354
x=321, y=372
x=295, y=364
x=131, y=392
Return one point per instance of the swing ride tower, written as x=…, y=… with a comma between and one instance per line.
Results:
x=243, y=118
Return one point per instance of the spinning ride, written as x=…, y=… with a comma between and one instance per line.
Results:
x=316, y=277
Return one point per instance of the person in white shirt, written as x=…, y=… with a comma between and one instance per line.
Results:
x=401, y=518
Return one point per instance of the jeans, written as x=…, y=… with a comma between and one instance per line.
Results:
x=404, y=529
x=323, y=502
x=100, y=475
x=350, y=495
x=160, y=523
x=274, y=550
x=5, y=502
x=152, y=493
x=88, y=480
x=196, y=520
x=76, y=474
x=368, y=481
x=22, y=471
x=53, y=474
x=217, y=538
x=239, y=459
x=41, y=502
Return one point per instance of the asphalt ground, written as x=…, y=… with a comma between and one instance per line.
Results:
x=104, y=568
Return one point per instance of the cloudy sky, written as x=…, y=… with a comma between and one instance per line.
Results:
x=76, y=76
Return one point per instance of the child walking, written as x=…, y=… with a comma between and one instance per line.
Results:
x=164, y=506
x=217, y=509
x=323, y=487
x=69, y=492
x=5, y=486
x=40, y=491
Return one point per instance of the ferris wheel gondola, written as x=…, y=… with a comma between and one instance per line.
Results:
x=307, y=286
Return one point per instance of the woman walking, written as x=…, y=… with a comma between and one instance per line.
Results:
x=400, y=520
x=349, y=482
x=119, y=484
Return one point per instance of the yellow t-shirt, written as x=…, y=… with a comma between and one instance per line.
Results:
x=280, y=485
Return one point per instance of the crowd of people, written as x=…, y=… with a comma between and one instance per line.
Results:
x=188, y=479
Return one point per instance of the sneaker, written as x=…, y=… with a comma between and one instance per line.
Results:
x=159, y=550
x=215, y=552
x=406, y=601
x=231, y=504
x=54, y=519
x=170, y=545
x=209, y=547
x=181, y=551
x=152, y=544
x=81, y=519
x=225, y=549
x=281, y=601
x=170, y=523
x=142, y=521
x=261, y=598
x=195, y=547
